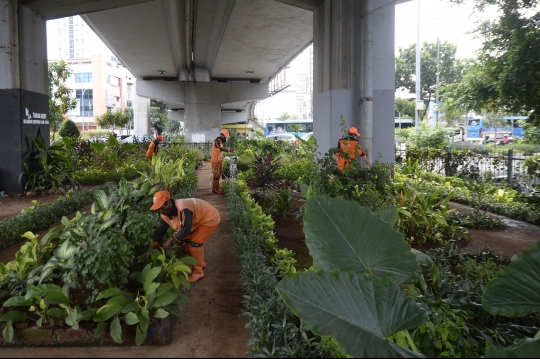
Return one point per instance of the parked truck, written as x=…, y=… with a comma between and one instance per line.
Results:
x=460, y=134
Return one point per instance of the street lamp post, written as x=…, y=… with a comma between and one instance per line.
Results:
x=83, y=111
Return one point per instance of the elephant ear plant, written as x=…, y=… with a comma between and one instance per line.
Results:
x=353, y=293
x=516, y=293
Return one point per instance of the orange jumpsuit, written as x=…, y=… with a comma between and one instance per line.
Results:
x=351, y=147
x=152, y=149
x=195, y=222
x=217, y=158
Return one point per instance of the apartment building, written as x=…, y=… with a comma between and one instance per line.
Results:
x=99, y=81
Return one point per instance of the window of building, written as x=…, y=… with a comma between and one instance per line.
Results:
x=129, y=89
x=128, y=103
x=83, y=77
x=86, y=101
x=112, y=80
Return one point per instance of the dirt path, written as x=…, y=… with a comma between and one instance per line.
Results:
x=517, y=237
x=211, y=327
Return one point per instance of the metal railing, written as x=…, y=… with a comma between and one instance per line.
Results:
x=500, y=166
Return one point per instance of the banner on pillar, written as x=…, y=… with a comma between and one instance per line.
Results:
x=34, y=118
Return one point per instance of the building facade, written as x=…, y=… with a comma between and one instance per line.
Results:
x=99, y=81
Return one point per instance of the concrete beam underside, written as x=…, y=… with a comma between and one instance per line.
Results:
x=202, y=101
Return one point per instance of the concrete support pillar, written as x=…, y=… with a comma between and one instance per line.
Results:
x=24, y=100
x=141, y=116
x=338, y=74
x=202, y=102
x=203, y=121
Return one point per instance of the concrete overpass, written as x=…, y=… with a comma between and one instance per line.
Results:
x=206, y=56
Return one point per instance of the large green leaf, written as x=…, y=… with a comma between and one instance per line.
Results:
x=102, y=201
x=116, y=330
x=164, y=299
x=17, y=301
x=341, y=234
x=525, y=348
x=516, y=291
x=65, y=250
x=13, y=316
x=41, y=290
x=360, y=310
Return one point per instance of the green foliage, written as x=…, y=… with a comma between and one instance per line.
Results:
x=275, y=330
x=158, y=115
x=429, y=137
x=369, y=187
x=451, y=69
x=422, y=216
x=366, y=259
x=161, y=281
x=475, y=220
x=60, y=96
x=42, y=217
x=69, y=129
x=46, y=167
x=113, y=119
x=265, y=167
x=282, y=201
x=506, y=77
x=405, y=107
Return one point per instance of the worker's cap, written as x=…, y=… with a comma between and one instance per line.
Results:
x=159, y=199
x=225, y=133
x=161, y=138
x=354, y=131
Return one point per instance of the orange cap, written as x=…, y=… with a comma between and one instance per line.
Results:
x=354, y=131
x=159, y=199
x=225, y=133
x=159, y=137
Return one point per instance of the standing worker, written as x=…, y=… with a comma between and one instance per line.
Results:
x=193, y=221
x=348, y=148
x=153, y=149
x=217, y=159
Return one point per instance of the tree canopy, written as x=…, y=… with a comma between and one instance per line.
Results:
x=451, y=69
x=506, y=78
x=60, y=96
x=159, y=118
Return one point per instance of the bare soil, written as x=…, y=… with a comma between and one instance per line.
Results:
x=517, y=237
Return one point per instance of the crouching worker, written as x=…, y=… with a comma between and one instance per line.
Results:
x=193, y=221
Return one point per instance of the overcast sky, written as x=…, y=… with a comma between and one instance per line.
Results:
x=438, y=17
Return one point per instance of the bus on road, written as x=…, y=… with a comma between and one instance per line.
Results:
x=295, y=127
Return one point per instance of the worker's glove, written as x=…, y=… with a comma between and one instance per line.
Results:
x=168, y=242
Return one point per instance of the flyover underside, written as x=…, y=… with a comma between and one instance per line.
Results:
x=225, y=66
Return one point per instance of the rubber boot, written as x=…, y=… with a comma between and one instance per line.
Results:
x=197, y=271
x=216, y=187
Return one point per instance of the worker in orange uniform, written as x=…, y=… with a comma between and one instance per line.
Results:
x=217, y=159
x=193, y=221
x=348, y=148
x=153, y=149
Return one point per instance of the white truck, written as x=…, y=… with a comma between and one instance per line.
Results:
x=459, y=134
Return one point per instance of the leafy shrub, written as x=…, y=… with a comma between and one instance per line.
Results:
x=69, y=129
x=43, y=216
x=275, y=330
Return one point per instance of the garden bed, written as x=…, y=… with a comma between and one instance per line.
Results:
x=159, y=333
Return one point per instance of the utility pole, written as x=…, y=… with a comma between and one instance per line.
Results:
x=437, y=89
x=418, y=108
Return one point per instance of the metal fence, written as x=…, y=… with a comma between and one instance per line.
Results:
x=485, y=164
